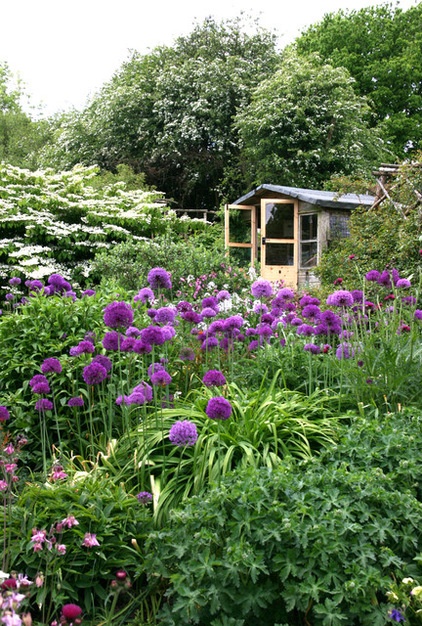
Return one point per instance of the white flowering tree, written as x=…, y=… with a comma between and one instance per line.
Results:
x=56, y=222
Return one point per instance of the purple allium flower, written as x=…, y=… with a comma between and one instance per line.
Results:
x=51, y=365
x=312, y=348
x=285, y=294
x=210, y=302
x=165, y=315
x=208, y=312
x=155, y=367
x=168, y=332
x=90, y=540
x=103, y=360
x=306, y=330
x=84, y=347
x=261, y=289
x=9, y=296
x=253, y=345
x=118, y=315
x=43, y=404
x=88, y=292
x=418, y=314
x=331, y=322
x=127, y=344
x=132, y=331
x=403, y=283
x=311, y=311
x=223, y=295
x=158, y=278
x=40, y=388
x=112, y=340
x=385, y=279
x=59, y=283
x=144, y=295
x=144, y=388
x=218, y=408
x=15, y=281
x=340, y=298
x=357, y=295
x=230, y=323
x=191, y=316
x=217, y=326
x=141, y=347
x=307, y=299
x=34, y=285
x=187, y=354
x=214, y=378
x=75, y=401
x=373, y=276
x=153, y=335
x=4, y=414
x=37, y=379
x=94, y=373
x=183, y=306
x=183, y=433
x=344, y=351
x=209, y=343
x=396, y=615
x=160, y=378
x=144, y=497
x=136, y=397
x=264, y=330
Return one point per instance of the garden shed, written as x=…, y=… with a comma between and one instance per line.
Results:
x=286, y=229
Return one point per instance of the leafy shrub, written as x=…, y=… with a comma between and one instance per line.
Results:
x=315, y=541
x=196, y=269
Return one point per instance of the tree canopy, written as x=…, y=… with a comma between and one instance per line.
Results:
x=304, y=124
x=381, y=47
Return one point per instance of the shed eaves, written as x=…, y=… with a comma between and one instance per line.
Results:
x=329, y=199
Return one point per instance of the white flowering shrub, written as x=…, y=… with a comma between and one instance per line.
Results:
x=57, y=222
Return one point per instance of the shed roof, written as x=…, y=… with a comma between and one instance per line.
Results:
x=328, y=199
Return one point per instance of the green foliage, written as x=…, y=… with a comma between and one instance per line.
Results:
x=316, y=540
x=20, y=137
x=82, y=574
x=169, y=113
x=380, y=46
x=198, y=263
x=304, y=124
x=389, y=235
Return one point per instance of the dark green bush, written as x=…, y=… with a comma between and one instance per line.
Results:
x=313, y=542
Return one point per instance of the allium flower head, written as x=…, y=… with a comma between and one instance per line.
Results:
x=144, y=497
x=14, y=281
x=51, y=365
x=94, y=373
x=4, y=414
x=165, y=315
x=144, y=295
x=75, y=401
x=312, y=348
x=372, y=276
x=403, y=283
x=158, y=278
x=341, y=298
x=88, y=293
x=44, y=404
x=183, y=433
x=161, y=378
x=84, y=347
x=223, y=295
x=112, y=340
x=103, y=360
x=261, y=288
x=210, y=302
x=214, y=378
x=218, y=408
x=118, y=315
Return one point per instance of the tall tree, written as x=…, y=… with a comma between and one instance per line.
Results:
x=381, y=47
x=170, y=113
x=305, y=124
x=20, y=136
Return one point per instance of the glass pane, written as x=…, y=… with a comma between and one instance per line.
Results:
x=279, y=253
x=279, y=220
x=241, y=255
x=309, y=227
x=308, y=254
x=240, y=226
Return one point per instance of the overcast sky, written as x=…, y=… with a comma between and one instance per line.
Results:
x=65, y=50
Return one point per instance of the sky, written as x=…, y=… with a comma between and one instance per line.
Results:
x=65, y=50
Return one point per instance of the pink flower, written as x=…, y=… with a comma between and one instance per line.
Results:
x=38, y=536
x=70, y=521
x=90, y=540
x=61, y=548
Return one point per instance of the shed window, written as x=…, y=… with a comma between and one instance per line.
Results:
x=308, y=240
